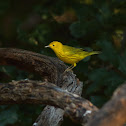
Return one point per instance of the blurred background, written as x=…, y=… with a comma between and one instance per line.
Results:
x=89, y=24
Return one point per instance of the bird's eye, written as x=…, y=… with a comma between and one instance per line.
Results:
x=53, y=45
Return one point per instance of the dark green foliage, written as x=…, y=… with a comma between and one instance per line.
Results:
x=96, y=24
x=9, y=115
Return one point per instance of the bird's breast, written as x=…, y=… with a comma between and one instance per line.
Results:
x=68, y=59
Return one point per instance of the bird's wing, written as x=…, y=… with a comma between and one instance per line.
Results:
x=68, y=50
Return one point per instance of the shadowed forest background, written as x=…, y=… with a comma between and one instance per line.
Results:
x=89, y=24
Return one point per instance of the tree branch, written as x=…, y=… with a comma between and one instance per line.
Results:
x=32, y=92
x=113, y=113
x=50, y=69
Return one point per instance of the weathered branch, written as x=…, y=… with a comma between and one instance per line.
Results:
x=33, y=92
x=50, y=68
x=113, y=113
x=69, y=83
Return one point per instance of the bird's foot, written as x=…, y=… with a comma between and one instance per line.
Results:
x=68, y=70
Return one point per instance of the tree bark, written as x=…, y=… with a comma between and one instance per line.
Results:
x=51, y=69
x=113, y=113
x=33, y=92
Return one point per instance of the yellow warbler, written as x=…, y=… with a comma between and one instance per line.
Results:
x=69, y=54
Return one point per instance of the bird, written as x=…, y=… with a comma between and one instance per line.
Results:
x=68, y=54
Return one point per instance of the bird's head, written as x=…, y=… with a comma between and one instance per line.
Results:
x=55, y=45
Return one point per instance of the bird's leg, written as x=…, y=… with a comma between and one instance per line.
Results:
x=74, y=65
x=71, y=67
x=68, y=69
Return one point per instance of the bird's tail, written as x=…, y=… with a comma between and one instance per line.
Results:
x=94, y=52
x=86, y=54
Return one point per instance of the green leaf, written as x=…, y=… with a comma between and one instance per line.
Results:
x=9, y=116
x=98, y=100
x=98, y=77
x=112, y=82
x=108, y=52
x=109, y=80
x=77, y=29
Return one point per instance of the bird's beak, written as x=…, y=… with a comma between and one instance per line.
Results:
x=47, y=46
